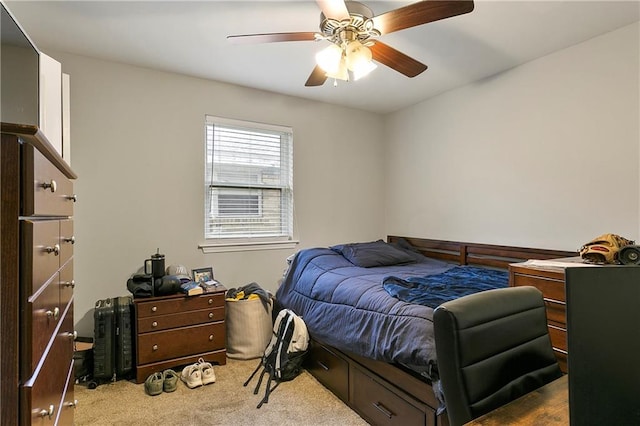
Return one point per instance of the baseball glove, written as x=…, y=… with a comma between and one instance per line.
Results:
x=604, y=249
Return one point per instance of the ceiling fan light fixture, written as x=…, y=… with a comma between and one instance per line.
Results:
x=359, y=59
x=341, y=73
x=329, y=59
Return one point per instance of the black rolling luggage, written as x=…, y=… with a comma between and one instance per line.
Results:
x=113, y=340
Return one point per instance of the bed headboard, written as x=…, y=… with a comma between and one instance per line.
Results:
x=479, y=254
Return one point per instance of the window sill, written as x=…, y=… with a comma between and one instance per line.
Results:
x=252, y=246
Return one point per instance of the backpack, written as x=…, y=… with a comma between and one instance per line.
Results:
x=283, y=356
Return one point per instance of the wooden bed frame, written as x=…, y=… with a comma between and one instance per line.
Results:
x=384, y=393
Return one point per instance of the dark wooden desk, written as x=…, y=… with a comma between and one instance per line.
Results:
x=548, y=405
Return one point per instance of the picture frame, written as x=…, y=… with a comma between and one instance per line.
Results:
x=202, y=274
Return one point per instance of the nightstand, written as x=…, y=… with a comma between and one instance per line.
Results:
x=549, y=280
x=177, y=330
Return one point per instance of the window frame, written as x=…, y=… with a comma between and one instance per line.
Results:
x=281, y=239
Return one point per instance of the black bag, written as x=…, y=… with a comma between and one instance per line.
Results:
x=283, y=356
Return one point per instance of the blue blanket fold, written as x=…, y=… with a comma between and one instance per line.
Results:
x=434, y=290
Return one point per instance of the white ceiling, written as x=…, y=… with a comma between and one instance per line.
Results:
x=190, y=38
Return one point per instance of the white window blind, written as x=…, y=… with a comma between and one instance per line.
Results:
x=248, y=180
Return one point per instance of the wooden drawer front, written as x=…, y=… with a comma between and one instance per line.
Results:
x=558, y=337
x=330, y=370
x=42, y=312
x=66, y=283
x=40, y=196
x=562, y=360
x=162, y=345
x=40, y=258
x=67, y=406
x=556, y=312
x=43, y=391
x=379, y=405
x=67, y=240
x=551, y=289
x=163, y=322
x=180, y=304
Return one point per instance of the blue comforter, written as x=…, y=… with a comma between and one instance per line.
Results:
x=346, y=306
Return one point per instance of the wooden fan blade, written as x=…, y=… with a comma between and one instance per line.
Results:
x=271, y=37
x=396, y=60
x=335, y=9
x=420, y=13
x=317, y=78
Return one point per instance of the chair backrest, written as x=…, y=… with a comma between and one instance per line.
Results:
x=492, y=348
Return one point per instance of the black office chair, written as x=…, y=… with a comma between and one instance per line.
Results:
x=492, y=348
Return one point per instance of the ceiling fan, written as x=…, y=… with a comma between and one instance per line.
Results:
x=352, y=30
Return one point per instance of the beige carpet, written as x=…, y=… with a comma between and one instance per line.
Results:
x=302, y=401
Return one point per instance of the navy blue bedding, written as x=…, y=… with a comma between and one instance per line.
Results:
x=434, y=290
x=346, y=306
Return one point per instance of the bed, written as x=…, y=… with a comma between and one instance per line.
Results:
x=372, y=337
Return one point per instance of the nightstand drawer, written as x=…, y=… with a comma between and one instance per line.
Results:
x=379, y=405
x=556, y=312
x=551, y=289
x=43, y=312
x=558, y=337
x=179, y=342
x=182, y=319
x=41, y=253
x=180, y=304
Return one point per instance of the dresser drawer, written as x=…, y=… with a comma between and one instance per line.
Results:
x=41, y=253
x=182, y=319
x=551, y=289
x=330, y=370
x=42, y=314
x=175, y=343
x=556, y=312
x=68, y=404
x=380, y=406
x=41, y=393
x=66, y=240
x=558, y=337
x=47, y=192
x=66, y=283
x=178, y=304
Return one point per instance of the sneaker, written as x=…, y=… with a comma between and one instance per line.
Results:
x=191, y=376
x=153, y=384
x=207, y=373
x=170, y=382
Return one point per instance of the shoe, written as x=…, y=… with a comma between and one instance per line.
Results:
x=153, y=384
x=191, y=376
x=170, y=382
x=207, y=373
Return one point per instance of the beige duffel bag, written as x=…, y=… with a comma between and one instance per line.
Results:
x=249, y=327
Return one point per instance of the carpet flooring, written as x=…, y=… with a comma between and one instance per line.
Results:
x=302, y=401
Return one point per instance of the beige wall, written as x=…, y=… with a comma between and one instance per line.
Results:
x=138, y=141
x=543, y=155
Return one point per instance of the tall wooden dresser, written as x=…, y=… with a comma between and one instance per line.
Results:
x=36, y=280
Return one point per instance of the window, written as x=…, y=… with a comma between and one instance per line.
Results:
x=248, y=181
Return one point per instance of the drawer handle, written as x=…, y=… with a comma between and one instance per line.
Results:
x=211, y=337
x=73, y=197
x=73, y=404
x=49, y=412
x=323, y=366
x=71, y=283
x=72, y=335
x=384, y=410
x=155, y=347
x=51, y=185
x=210, y=315
x=154, y=308
x=71, y=240
x=55, y=313
x=55, y=249
x=211, y=301
x=154, y=324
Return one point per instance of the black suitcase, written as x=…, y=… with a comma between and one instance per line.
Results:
x=113, y=340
